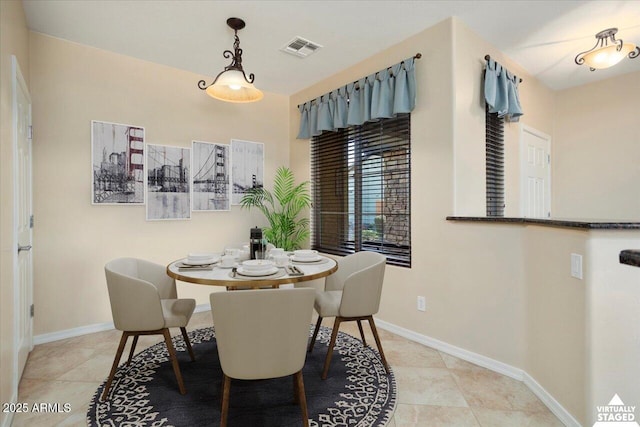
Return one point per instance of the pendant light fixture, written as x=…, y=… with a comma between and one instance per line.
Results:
x=607, y=52
x=232, y=84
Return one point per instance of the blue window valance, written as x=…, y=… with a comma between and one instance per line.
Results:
x=501, y=91
x=380, y=95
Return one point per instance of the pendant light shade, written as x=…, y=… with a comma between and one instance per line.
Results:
x=607, y=52
x=232, y=84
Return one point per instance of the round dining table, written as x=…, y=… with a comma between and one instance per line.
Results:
x=217, y=275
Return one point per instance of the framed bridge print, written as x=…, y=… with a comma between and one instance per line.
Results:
x=247, y=170
x=117, y=155
x=211, y=178
x=168, y=182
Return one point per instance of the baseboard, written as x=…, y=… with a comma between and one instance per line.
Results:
x=475, y=358
x=70, y=333
x=554, y=406
x=486, y=362
x=89, y=329
x=8, y=419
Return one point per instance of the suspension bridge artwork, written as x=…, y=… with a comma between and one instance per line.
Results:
x=247, y=169
x=168, y=178
x=117, y=153
x=211, y=189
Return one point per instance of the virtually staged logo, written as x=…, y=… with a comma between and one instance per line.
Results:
x=616, y=414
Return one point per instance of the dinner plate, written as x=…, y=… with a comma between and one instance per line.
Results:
x=241, y=278
x=200, y=255
x=189, y=267
x=209, y=261
x=241, y=271
x=318, y=260
x=305, y=253
x=257, y=265
x=305, y=259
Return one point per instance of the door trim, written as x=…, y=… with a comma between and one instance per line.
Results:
x=523, y=162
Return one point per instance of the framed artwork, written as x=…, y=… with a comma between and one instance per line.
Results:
x=210, y=182
x=247, y=167
x=168, y=182
x=117, y=155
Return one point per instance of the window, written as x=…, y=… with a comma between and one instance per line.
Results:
x=494, y=143
x=361, y=188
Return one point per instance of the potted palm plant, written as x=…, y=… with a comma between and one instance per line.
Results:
x=281, y=208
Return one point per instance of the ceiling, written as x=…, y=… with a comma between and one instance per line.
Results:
x=542, y=36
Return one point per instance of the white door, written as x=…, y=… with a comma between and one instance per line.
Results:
x=23, y=214
x=535, y=178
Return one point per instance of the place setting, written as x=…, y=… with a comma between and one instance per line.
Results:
x=256, y=269
x=307, y=256
x=198, y=261
x=276, y=264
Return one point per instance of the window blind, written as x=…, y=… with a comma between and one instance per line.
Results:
x=494, y=143
x=361, y=189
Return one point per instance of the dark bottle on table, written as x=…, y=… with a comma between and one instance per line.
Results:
x=255, y=242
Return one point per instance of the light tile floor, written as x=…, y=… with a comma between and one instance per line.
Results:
x=434, y=389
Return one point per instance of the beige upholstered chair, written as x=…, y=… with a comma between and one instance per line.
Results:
x=144, y=302
x=352, y=293
x=262, y=334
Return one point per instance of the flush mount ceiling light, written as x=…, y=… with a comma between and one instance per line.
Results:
x=232, y=84
x=605, y=54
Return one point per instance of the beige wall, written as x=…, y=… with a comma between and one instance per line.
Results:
x=556, y=313
x=613, y=321
x=73, y=84
x=14, y=40
x=596, y=149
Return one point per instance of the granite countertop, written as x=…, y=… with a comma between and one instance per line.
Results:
x=586, y=224
x=630, y=257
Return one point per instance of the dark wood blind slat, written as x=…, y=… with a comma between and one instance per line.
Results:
x=494, y=149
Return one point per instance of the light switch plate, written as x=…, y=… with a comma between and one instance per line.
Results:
x=422, y=304
x=576, y=266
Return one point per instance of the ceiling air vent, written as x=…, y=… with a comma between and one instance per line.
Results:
x=300, y=47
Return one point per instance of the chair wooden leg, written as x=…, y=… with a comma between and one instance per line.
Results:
x=188, y=343
x=302, y=398
x=225, y=400
x=377, y=338
x=334, y=334
x=133, y=348
x=174, y=360
x=296, y=390
x=364, y=342
x=114, y=367
x=315, y=334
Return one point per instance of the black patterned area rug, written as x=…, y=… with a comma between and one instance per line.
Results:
x=356, y=393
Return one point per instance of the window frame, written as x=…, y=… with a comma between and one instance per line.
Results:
x=347, y=150
x=494, y=164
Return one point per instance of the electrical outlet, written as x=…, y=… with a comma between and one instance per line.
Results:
x=422, y=304
x=576, y=266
